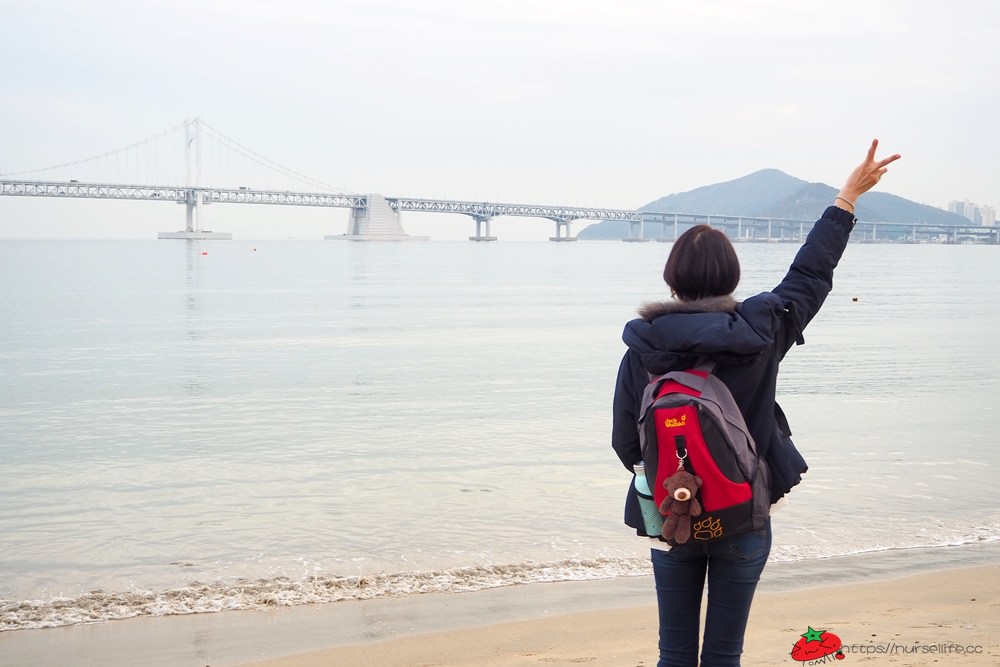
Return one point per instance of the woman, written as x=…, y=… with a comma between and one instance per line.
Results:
x=746, y=341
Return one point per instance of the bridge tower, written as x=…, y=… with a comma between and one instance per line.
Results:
x=194, y=196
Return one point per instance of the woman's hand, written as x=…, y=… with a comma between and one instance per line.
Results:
x=865, y=176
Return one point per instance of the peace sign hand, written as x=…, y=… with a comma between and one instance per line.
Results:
x=866, y=174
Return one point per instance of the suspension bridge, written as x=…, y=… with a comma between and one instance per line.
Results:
x=372, y=217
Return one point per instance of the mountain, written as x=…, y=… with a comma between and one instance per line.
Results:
x=771, y=193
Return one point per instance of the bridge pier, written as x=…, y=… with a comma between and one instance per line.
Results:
x=562, y=231
x=192, y=218
x=663, y=232
x=192, y=221
x=636, y=231
x=661, y=219
x=481, y=221
x=375, y=219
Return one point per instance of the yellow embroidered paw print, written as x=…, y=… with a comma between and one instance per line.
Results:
x=707, y=529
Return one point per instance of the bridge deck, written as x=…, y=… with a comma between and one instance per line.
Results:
x=776, y=228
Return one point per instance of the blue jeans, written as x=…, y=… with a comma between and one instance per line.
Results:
x=733, y=566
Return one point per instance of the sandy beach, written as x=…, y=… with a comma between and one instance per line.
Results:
x=949, y=617
x=937, y=617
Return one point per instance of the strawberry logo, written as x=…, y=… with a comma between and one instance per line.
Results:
x=816, y=644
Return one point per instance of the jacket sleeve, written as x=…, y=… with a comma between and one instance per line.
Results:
x=624, y=424
x=810, y=277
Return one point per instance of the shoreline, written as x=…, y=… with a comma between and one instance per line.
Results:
x=442, y=624
x=942, y=617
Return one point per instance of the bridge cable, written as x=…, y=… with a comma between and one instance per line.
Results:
x=98, y=157
x=252, y=155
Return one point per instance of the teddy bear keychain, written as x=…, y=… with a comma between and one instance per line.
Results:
x=680, y=504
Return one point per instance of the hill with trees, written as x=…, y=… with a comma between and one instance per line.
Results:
x=771, y=193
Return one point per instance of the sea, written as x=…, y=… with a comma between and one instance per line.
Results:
x=201, y=426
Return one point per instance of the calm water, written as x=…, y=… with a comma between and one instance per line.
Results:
x=192, y=426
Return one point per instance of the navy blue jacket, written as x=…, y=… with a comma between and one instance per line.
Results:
x=745, y=340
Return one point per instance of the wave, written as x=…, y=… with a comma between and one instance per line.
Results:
x=99, y=606
x=243, y=594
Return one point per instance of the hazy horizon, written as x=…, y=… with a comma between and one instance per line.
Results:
x=596, y=104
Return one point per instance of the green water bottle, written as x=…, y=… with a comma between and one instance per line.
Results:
x=651, y=517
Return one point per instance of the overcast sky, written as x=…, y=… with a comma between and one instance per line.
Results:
x=579, y=102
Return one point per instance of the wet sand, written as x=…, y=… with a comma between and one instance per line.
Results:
x=922, y=619
x=949, y=617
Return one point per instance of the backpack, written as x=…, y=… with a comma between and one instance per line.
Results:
x=690, y=419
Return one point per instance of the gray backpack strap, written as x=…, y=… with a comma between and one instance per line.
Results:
x=718, y=400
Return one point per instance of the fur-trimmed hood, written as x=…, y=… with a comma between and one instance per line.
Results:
x=650, y=310
x=674, y=334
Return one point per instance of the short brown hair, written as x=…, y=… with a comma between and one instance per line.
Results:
x=702, y=263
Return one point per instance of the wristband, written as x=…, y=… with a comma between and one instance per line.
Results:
x=845, y=199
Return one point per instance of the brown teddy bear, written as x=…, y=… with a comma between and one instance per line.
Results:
x=680, y=505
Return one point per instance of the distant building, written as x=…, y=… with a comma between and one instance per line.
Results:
x=969, y=210
x=989, y=215
x=963, y=208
